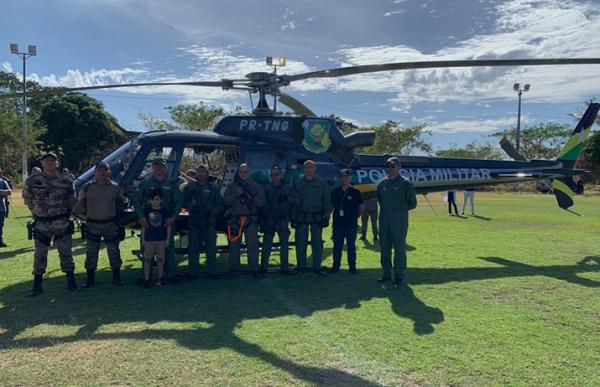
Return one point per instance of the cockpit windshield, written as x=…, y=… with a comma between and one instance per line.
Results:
x=118, y=160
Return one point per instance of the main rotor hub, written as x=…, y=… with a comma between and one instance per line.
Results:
x=262, y=79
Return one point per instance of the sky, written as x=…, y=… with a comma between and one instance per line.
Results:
x=90, y=42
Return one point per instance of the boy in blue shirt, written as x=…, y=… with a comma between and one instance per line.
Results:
x=155, y=237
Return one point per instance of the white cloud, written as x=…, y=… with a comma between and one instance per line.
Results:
x=524, y=29
x=291, y=25
x=395, y=12
x=475, y=126
x=6, y=66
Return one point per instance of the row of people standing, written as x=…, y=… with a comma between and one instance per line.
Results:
x=307, y=205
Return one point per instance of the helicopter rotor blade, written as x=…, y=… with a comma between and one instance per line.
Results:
x=225, y=84
x=351, y=70
x=296, y=106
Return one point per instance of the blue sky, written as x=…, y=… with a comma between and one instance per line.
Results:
x=87, y=42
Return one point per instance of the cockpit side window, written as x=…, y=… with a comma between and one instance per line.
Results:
x=218, y=159
x=167, y=153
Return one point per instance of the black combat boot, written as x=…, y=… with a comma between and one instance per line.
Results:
x=37, y=286
x=116, y=271
x=90, y=280
x=71, y=284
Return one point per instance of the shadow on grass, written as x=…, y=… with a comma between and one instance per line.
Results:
x=590, y=260
x=8, y=253
x=223, y=305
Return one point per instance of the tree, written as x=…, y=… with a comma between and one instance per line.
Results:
x=473, y=150
x=590, y=157
x=543, y=141
x=185, y=117
x=11, y=124
x=392, y=138
x=79, y=129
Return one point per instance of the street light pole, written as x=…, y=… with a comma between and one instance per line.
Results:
x=517, y=88
x=31, y=51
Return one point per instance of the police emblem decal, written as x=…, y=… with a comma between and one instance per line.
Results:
x=316, y=135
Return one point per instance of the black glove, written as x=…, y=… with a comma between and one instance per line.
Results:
x=324, y=222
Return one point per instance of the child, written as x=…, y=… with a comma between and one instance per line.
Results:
x=155, y=237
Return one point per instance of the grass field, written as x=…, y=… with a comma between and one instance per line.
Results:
x=511, y=297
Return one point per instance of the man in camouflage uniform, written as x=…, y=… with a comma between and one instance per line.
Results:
x=172, y=201
x=275, y=220
x=100, y=203
x=311, y=207
x=50, y=197
x=396, y=196
x=204, y=202
x=243, y=198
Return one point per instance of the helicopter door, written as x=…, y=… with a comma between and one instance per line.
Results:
x=220, y=160
x=261, y=161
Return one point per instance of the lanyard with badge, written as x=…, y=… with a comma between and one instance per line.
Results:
x=344, y=195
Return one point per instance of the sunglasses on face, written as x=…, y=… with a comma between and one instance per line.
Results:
x=275, y=174
x=391, y=166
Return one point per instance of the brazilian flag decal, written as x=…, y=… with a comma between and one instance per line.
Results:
x=574, y=145
x=563, y=193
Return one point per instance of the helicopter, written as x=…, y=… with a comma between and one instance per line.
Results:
x=267, y=138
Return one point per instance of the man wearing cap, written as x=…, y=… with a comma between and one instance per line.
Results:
x=5, y=192
x=275, y=220
x=348, y=205
x=100, y=203
x=172, y=201
x=204, y=202
x=50, y=197
x=396, y=196
x=310, y=207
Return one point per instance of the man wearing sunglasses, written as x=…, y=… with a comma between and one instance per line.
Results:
x=396, y=196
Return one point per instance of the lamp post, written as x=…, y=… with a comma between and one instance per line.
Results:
x=517, y=88
x=31, y=51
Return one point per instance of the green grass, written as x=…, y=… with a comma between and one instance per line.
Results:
x=510, y=298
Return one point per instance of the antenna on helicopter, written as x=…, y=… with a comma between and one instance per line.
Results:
x=282, y=63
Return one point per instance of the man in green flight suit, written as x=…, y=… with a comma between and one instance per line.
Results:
x=310, y=206
x=396, y=196
x=204, y=202
x=172, y=201
x=275, y=220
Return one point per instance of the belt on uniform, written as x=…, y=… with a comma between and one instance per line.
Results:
x=50, y=218
x=92, y=220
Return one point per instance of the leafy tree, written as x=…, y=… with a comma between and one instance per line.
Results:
x=590, y=157
x=473, y=150
x=11, y=124
x=543, y=141
x=186, y=117
x=392, y=138
x=80, y=129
